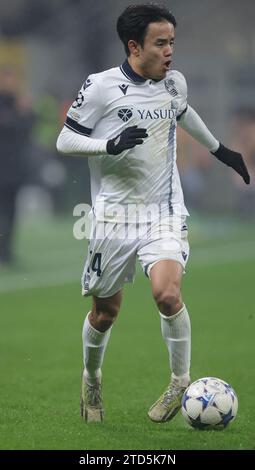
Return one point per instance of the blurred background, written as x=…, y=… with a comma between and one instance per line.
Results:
x=47, y=49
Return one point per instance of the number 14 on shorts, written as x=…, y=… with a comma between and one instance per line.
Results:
x=96, y=263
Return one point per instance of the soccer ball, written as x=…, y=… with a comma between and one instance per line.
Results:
x=209, y=403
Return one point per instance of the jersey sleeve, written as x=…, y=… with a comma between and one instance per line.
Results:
x=181, y=86
x=87, y=109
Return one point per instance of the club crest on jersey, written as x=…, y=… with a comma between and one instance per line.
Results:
x=169, y=85
x=123, y=88
x=125, y=114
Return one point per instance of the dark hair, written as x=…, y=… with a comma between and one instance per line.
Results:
x=135, y=19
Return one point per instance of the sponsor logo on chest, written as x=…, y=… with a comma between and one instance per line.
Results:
x=163, y=113
x=152, y=114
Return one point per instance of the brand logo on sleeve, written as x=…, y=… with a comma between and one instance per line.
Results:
x=184, y=255
x=79, y=101
x=87, y=84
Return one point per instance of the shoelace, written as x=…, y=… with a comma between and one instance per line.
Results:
x=170, y=394
x=93, y=395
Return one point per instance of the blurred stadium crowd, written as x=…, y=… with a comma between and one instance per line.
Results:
x=47, y=49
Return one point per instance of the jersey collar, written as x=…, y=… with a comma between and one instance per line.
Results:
x=129, y=73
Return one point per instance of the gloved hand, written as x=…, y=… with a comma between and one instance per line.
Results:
x=234, y=160
x=127, y=139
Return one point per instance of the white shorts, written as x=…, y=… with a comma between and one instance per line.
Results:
x=113, y=248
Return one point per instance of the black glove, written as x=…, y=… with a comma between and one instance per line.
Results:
x=233, y=159
x=127, y=139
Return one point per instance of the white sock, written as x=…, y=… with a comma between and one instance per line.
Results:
x=176, y=332
x=94, y=345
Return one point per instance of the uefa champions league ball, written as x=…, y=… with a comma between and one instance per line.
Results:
x=209, y=403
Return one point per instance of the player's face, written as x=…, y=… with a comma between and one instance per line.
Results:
x=155, y=56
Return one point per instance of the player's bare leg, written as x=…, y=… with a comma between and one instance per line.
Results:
x=95, y=335
x=166, y=277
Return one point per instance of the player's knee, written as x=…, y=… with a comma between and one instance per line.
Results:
x=169, y=300
x=105, y=316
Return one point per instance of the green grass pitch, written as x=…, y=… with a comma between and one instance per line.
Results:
x=41, y=316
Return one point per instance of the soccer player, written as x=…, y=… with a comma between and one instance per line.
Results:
x=125, y=120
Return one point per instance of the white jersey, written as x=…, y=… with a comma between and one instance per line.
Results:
x=147, y=175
